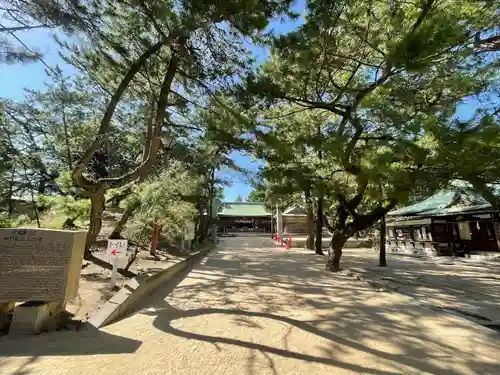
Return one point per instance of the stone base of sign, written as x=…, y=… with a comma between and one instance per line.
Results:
x=6, y=311
x=35, y=317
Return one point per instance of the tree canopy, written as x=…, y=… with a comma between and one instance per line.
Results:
x=354, y=111
x=383, y=80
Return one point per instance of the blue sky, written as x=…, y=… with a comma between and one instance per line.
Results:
x=240, y=183
x=14, y=78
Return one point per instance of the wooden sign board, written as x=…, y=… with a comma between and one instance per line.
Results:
x=117, y=248
x=464, y=230
x=190, y=232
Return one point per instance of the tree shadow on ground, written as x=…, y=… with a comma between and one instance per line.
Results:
x=472, y=288
x=254, y=286
x=87, y=341
x=23, y=369
x=63, y=343
x=165, y=325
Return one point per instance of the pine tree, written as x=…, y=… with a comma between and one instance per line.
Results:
x=387, y=74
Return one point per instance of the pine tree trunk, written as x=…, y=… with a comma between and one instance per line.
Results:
x=11, y=193
x=132, y=258
x=319, y=228
x=42, y=184
x=310, y=221
x=117, y=230
x=66, y=138
x=211, y=188
x=203, y=229
x=335, y=251
x=197, y=224
x=310, y=230
x=382, y=259
x=97, y=206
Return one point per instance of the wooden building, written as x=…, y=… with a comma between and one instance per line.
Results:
x=244, y=217
x=294, y=221
x=455, y=222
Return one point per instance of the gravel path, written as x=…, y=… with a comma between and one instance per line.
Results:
x=253, y=308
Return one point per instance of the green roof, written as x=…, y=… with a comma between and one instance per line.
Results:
x=446, y=202
x=244, y=209
x=294, y=211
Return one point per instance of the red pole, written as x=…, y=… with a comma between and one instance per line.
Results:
x=154, y=238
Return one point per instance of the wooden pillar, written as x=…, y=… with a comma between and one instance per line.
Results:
x=496, y=227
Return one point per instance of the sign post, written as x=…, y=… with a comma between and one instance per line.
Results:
x=117, y=249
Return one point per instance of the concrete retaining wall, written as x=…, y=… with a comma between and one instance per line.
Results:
x=131, y=295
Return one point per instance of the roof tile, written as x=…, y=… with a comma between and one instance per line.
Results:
x=244, y=209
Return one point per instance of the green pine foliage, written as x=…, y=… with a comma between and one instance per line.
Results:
x=67, y=210
x=381, y=82
x=162, y=201
x=355, y=110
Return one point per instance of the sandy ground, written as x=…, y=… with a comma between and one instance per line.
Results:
x=467, y=287
x=254, y=308
x=94, y=288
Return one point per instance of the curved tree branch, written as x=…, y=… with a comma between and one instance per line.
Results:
x=154, y=145
x=77, y=174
